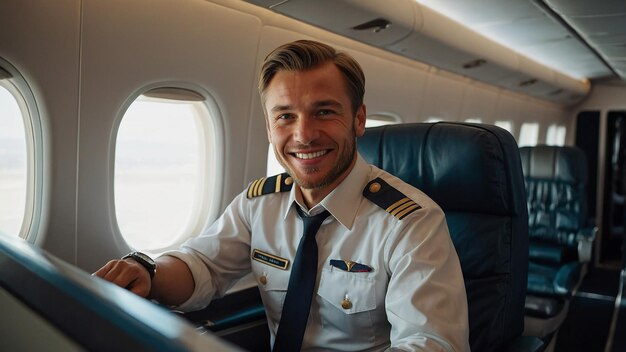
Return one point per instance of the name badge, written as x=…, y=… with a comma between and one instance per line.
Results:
x=270, y=259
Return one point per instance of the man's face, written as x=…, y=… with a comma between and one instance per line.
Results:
x=310, y=122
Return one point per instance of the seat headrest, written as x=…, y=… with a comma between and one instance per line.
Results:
x=461, y=166
x=557, y=163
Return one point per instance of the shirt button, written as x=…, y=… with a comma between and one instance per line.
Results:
x=288, y=180
x=263, y=280
x=375, y=187
x=346, y=304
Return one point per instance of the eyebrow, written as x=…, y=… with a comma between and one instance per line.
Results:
x=280, y=108
x=327, y=103
x=317, y=104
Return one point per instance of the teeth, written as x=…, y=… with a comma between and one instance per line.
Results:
x=310, y=155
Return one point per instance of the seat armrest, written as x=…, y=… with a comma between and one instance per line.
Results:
x=567, y=277
x=526, y=344
x=585, y=238
x=543, y=307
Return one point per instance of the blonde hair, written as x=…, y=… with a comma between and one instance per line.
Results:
x=305, y=54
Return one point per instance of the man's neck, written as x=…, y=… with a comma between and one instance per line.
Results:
x=313, y=196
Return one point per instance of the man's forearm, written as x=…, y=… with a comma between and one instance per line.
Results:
x=173, y=282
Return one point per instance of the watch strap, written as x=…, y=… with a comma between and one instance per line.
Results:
x=144, y=260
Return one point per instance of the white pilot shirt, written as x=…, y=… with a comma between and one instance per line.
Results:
x=412, y=299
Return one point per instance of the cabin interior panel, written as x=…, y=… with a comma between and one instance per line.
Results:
x=31, y=31
x=119, y=62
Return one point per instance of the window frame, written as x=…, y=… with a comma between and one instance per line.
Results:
x=211, y=185
x=34, y=206
x=384, y=118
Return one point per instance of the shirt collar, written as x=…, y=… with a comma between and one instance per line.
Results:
x=348, y=192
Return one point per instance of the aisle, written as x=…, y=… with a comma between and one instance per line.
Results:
x=587, y=325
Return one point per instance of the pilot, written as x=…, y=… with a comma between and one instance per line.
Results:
x=347, y=257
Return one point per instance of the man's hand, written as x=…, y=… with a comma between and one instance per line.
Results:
x=127, y=273
x=171, y=285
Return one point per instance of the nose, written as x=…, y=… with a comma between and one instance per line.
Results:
x=306, y=130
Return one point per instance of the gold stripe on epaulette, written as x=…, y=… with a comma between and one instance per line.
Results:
x=275, y=184
x=252, y=187
x=397, y=204
x=407, y=211
x=400, y=209
x=278, y=181
x=259, y=187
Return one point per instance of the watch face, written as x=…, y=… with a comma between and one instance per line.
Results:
x=145, y=257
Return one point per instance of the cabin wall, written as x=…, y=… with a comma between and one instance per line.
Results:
x=41, y=40
x=87, y=60
x=156, y=42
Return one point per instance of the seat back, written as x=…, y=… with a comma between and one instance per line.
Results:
x=556, y=178
x=473, y=172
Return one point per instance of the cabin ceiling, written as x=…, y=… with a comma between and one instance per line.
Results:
x=581, y=38
x=549, y=49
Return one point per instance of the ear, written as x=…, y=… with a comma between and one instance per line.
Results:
x=359, y=121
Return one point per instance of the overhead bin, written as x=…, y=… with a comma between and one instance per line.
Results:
x=444, y=43
x=343, y=16
x=419, y=33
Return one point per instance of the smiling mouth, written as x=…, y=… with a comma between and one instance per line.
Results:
x=307, y=156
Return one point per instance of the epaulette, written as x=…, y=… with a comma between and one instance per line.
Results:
x=393, y=201
x=274, y=184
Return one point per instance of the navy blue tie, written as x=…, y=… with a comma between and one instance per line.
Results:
x=297, y=303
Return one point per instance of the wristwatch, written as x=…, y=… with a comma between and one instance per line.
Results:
x=144, y=260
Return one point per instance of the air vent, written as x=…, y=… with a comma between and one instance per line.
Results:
x=375, y=26
x=474, y=64
x=526, y=83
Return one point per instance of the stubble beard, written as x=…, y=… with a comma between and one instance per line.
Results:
x=346, y=157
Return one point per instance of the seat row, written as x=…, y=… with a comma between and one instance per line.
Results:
x=560, y=234
x=517, y=218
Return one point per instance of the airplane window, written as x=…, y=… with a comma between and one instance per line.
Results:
x=18, y=121
x=381, y=120
x=529, y=134
x=274, y=167
x=556, y=135
x=13, y=164
x=507, y=125
x=474, y=120
x=163, y=158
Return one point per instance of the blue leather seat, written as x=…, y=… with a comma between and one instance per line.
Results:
x=473, y=172
x=560, y=236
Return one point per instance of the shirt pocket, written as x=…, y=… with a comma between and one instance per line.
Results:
x=349, y=292
x=272, y=283
x=348, y=305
